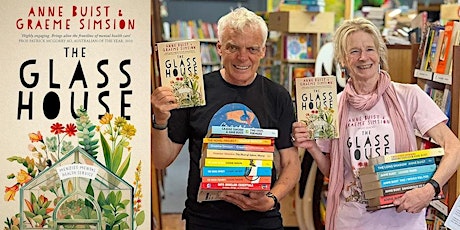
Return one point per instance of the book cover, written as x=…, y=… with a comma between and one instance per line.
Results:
x=434, y=152
x=209, y=195
x=231, y=140
x=396, y=165
x=241, y=147
x=179, y=63
x=235, y=186
x=427, y=52
x=251, y=155
x=297, y=46
x=317, y=106
x=392, y=190
x=383, y=200
x=236, y=171
x=247, y=132
x=445, y=58
x=397, y=172
x=395, y=181
x=435, y=60
x=236, y=179
x=228, y=162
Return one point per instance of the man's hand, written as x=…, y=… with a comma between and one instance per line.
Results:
x=247, y=201
x=163, y=101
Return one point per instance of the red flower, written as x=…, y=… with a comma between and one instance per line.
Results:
x=70, y=129
x=57, y=128
x=10, y=192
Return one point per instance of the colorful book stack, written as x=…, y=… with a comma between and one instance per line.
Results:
x=236, y=158
x=387, y=178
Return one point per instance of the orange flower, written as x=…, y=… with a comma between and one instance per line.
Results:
x=23, y=177
x=11, y=192
x=36, y=137
x=106, y=119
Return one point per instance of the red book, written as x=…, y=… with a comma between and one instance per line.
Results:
x=445, y=57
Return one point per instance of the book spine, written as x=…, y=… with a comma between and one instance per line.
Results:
x=236, y=179
x=392, y=190
x=384, y=200
x=397, y=181
x=242, y=131
x=208, y=195
x=375, y=208
x=237, y=162
x=434, y=152
x=229, y=140
x=242, y=147
x=396, y=165
x=236, y=186
x=397, y=172
x=236, y=171
x=218, y=153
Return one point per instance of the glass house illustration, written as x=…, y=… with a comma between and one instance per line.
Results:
x=76, y=192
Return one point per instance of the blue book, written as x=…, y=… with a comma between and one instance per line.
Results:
x=396, y=165
x=397, y=173
x=236, y=171
x=384, y=183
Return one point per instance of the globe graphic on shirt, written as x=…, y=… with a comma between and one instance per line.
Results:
x=235, y=114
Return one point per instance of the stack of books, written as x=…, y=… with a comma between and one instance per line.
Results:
x=387, y=178
x=236, y=158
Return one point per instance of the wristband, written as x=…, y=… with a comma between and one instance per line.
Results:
x=436, y=187
x=271, y=195
x=157, y=126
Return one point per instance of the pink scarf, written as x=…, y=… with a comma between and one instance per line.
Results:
x=402, y=129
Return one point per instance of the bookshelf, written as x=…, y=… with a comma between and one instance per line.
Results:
x=300, y=35
x=440, y=81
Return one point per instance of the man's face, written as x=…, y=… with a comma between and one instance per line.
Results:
x=241, y=53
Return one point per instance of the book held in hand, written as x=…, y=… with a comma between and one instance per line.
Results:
x=317, y=105
x=179, y=63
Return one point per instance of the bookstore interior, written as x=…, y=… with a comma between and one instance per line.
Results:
x=423, y=40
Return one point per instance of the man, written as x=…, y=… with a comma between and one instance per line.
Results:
x=236, y=88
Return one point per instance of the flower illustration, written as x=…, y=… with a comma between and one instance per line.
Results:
x=115, y=136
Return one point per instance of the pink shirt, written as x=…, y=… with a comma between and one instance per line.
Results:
x=370, y=134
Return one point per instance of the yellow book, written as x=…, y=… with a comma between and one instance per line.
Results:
x=231, y=140
x=236, y=162
x=219, y=153
x=434, y=152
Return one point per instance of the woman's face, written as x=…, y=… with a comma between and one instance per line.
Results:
x=362, y=58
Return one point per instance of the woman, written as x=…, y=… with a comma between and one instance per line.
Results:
x=376, y=117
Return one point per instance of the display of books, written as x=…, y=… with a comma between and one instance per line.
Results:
x=386, y=178
x=180, y=67
x=317, y=106
x=236, y=159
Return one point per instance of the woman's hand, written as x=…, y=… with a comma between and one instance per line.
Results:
x=301, y=136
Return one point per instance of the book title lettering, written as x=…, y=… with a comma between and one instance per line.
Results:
x=30, y=76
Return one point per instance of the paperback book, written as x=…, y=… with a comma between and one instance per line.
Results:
x=219, y=162
x=392, y=190
x=433, y=152
x=235, y=186
x=236, y=140
x=236, y=154
x=395, y=165
x=179, y=63
x=397, y=173
x=236, y=179
x=240, y=147
x=236, y=171
x=395, y=181
x=219, y=131
x=317, y=106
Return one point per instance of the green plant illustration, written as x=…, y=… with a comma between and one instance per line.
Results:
x=113, y=210
x=321, y=123
x=188, y=90
x=115, y=136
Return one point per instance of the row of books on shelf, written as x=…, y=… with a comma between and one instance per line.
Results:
x=387, y=178
x=305, y=5
x=209, y=55
x=191, y=29
x=442, y=96
x=435, y=51
x=236, y=159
